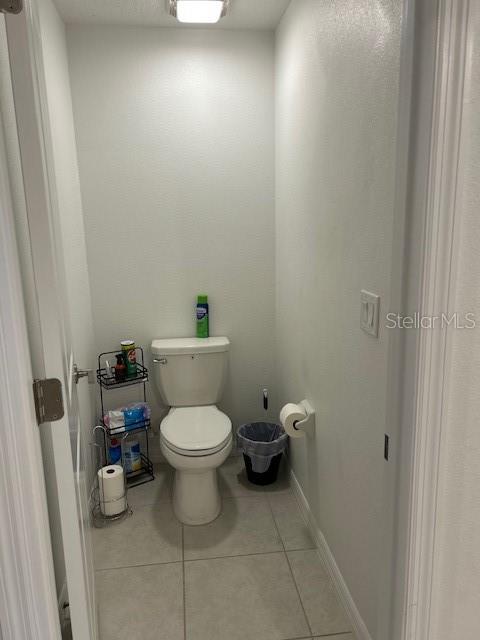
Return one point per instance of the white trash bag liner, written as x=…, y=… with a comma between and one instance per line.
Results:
x=261, y=441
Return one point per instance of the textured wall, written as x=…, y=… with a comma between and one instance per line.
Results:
x=456, y=594
x=175, y=141
x=336, y=99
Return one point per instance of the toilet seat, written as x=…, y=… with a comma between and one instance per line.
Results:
x=192, y=453
x=196, y=431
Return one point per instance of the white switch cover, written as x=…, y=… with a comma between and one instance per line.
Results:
x=369, y=312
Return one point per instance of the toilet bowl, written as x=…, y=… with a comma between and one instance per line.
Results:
x=195, y=436
x=195, y=441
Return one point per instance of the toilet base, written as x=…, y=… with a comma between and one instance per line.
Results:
x=196, y=499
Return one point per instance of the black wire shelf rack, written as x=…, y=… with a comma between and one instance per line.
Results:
x=108, y=382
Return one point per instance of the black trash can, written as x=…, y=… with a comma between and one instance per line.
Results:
x=262, y=444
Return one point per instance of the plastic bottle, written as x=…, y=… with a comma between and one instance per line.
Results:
x=132, y=457
x=129, y=357
x=202, y=316
x=115, y=451
x=120, y=368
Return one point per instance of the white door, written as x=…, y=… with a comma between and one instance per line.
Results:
x=64, y=442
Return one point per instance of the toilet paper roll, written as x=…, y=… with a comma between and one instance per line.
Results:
x=111, y=484
x=289, y=416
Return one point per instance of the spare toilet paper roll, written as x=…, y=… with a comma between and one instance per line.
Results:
x=112, y=490
x=289, y=416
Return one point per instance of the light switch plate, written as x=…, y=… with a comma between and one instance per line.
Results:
x=369, y=312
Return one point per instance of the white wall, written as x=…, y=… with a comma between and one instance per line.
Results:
x=456, y=592
x=176, y=149
x=336, y=100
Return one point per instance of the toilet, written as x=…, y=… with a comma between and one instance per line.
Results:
x=195, y=436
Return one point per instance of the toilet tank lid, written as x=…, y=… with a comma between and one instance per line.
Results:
x=173, y=346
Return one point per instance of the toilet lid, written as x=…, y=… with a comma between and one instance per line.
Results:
x=196, y=428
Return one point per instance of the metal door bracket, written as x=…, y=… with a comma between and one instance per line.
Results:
x=83, y=373
x=48, y=399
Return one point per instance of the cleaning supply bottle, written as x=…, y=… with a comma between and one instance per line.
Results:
x=115, y=451
x=120, y=368
x=202, y=316
x=132, y=456
x=129, y=357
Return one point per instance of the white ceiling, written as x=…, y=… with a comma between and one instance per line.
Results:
x=242, y=14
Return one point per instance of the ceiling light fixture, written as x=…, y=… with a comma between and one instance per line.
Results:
x=198, y=11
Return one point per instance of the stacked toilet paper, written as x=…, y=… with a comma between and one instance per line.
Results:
x=111, y=484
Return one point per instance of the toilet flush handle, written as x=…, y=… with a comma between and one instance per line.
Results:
x=160, y=360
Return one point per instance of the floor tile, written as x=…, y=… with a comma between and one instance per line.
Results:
x=232, y=479
x=292, y=527
x=246, y=598
x=158, y=490
x=245, y=526
x=141, y=602
x=324, y=611
x=282, y=483
x=151, y=534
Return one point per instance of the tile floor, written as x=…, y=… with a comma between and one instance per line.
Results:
x=252, y=574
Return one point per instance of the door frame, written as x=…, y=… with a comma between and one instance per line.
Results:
x=27, y=593
x=28, y=601
x=433, y=221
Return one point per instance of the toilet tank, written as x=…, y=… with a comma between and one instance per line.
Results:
x=190, y=372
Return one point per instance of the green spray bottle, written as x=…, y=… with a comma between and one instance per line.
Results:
x=202, y=316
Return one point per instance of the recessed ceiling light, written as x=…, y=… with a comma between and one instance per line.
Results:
x=198, y=11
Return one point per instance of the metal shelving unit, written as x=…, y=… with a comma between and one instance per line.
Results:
x=98, y=500
x=109, y=383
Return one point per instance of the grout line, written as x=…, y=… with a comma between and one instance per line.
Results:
x=298, y=592
x=157, y=502
x=328, y=635
x=254, y=496
x=138, y=566
x=240, y=555
x=184, y=586
x=339, y=634
x=290, y=568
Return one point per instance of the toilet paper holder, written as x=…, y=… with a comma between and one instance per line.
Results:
x=308, y=423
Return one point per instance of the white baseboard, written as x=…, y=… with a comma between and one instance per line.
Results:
x=326, y=556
